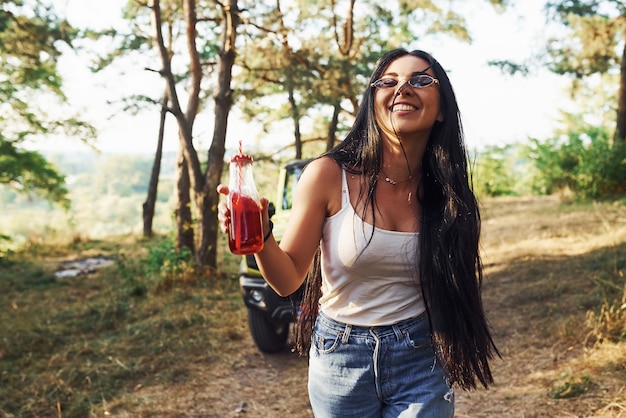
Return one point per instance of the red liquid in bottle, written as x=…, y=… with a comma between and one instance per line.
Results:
x=246, y=231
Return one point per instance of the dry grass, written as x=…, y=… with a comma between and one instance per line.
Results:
x=550, y=265
x=121, y=345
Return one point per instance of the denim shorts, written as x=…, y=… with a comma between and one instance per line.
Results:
x=388, y=371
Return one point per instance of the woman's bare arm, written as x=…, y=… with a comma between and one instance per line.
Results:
x=285, y=267
x=317, y=195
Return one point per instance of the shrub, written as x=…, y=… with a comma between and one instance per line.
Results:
x=501, y=171
x=166, y=261
x=584, y=160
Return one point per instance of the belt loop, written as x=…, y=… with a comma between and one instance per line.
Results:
x=346, y=334
x=398, y=332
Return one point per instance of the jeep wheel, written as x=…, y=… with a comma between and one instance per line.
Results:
x=268, y=336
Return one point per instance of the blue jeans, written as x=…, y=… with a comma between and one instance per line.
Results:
x=389, y=371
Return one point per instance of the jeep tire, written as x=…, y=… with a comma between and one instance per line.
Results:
x=270, y=337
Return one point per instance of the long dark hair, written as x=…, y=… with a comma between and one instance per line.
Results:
x=449, y=260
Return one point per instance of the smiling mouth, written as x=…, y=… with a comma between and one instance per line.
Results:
x=402, y=108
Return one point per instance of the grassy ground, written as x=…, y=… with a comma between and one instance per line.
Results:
x=68, y=345
x=129, y=341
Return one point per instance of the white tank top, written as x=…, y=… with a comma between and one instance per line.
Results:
x=375, y=286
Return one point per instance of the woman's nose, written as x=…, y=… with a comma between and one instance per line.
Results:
x=403, y=87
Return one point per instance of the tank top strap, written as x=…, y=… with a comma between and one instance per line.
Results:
x=345, y=194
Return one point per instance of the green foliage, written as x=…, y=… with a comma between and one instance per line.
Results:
x=122, y=175
x=165, y=261
x=584, y=160
x=29, y=172
x=162, y=266
x=592, y=37
x=4, y=251
x=510, y=67
x=29, y=32
x=131, y=273
x=501, y=171
x=563, y=9
x=570, y=387
x=30, y=36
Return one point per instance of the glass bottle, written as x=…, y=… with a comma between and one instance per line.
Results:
x=245, y=235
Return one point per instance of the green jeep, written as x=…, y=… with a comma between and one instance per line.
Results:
x=270, y=315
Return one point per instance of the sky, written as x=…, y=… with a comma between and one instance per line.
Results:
x=495, y=108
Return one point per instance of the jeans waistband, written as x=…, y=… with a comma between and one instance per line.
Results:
x=396, y=329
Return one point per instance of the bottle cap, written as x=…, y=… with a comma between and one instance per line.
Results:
x=241, y=158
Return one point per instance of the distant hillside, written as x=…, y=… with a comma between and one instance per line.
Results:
x=106, y=190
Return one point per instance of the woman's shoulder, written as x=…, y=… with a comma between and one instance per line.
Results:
x=323, y=168
x=321, y=180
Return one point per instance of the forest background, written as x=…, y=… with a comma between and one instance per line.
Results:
x=286, y=77
x=301, y=66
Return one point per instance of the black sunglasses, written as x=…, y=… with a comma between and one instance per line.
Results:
x=417, y=81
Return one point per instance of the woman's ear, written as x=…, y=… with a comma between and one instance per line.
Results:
x=440, y=117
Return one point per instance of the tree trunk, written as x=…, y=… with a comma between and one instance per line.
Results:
x=332, y=127
x=208, y=198
x=182, y=212
x=150, y=203
x=295, y=114
x=206, y=204
x=620, y=130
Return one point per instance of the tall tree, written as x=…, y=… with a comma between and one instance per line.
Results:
x=594, y=43
x=590, y=46
x=163, y=22
x=149, y=205
x=190, y=39
x=203, y=183
x=30, y=45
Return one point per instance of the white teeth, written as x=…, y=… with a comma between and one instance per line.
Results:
x=403, y=108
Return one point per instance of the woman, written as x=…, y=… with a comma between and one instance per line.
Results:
x=399, y=316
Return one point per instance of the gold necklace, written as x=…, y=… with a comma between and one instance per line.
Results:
x=392, y=181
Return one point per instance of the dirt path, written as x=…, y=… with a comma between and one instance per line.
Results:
x=537, y=293
x=248, y=384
